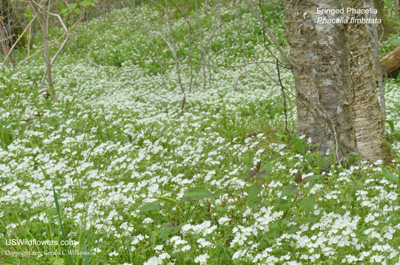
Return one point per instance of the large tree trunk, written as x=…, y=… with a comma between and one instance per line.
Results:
x=337, y=103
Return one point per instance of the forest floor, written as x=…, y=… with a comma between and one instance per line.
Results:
x=116, y=167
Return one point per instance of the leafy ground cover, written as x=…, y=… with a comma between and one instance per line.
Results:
x=115, y=168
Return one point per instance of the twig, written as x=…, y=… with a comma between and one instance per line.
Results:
x=173, y=46
x=190, y=39
x=269, y=33
x=6, y=39
x=284, y=97
x=202, y=58
x=16, y=42
x=61, y=48
x=29, y=40
x=264, y=38
x=182, y=106
x=156, y=51
x=237, y=79
x=51, y=45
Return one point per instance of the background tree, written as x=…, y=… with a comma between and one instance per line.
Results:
x=385, y=29
x=10, y=26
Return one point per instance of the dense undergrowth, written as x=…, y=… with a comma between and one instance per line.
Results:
x=114, y=166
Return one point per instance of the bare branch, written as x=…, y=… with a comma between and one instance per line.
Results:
x=60, y=49
x=51, y=45
x=155, y=50
x=173, y=47
x=237, y=79
x=269, y=33
x=15, y=44
x=9, y=37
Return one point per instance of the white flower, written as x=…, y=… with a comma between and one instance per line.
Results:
x=202, y=259
x=203, y=242
x=223, y=220
x=147, y=220
x=158, y=247
x=187, y=247
x=153, y=261
x=164, y=256
x=97, y=250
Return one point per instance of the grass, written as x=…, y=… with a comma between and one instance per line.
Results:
x=129, y=180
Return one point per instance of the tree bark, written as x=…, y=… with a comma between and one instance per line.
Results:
x=333, y=72
x=42, y=11
x=368, y=123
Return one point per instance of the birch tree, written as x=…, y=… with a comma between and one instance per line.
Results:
x=337, y=101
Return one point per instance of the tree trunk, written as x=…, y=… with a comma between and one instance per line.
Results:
x=45, y=31
x=337, y=103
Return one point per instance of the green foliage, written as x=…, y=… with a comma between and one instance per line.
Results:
x=76, y=7
x=390, y=176
x=150, y=206
x=194, y=194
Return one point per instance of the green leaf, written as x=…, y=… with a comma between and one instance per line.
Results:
x=69, y=8
x=253, y=192
x=249, y=174
x=280, y=134
x=153, y=237
x=72, y=6
x=293, y=230
x=86, y=3
x=46, y=175
x=290, y=190
x=390, y=176
x=308, y=204
x=278, y=108
x=391, y=125
x=194, y=194
x=313, y=219
x=267, y=167
x=280, y=204
x=299, y=147
x=58, y=261
x=311, y=178
x=61, y=6
x=166, y=232
x=266, y=170
x=150, y=206
x=168, y=200
x=257, y=201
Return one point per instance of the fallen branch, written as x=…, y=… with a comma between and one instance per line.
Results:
x=391, y=63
